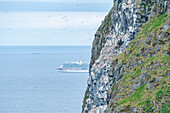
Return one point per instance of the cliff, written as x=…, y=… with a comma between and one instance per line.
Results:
x=129, y=68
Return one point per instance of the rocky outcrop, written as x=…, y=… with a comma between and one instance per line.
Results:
x=122, y=25
x=144, y=73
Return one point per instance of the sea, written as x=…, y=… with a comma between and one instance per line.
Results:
x=30, y=83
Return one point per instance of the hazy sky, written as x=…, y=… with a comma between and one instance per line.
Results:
x=50, y=22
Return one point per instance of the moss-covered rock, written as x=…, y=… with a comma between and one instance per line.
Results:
x=145, y=86
x=130, y=58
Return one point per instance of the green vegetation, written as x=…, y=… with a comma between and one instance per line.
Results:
x=84, y=100
x=137, y=72
x=113, y=89
x=152, y=25
x=163, y=92
x=140, y=49
x=165, y=108
x=148, y=106
x=137, y=96
x=165, y=58
x=148, y=3
x=153, y=64
x=104, y=28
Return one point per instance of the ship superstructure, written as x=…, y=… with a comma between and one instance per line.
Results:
x=78, y=66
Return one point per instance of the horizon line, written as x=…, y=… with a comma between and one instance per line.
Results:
x=38, y=45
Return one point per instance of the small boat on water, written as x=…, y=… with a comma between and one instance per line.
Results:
x=74, y=67
x=36, y=53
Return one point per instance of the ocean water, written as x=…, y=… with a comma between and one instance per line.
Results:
x=30, y=83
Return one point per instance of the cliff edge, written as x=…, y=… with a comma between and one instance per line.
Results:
x=129, y=68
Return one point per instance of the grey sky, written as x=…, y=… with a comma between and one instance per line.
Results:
x=62, y=1
x=48, y=23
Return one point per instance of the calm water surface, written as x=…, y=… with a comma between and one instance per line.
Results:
x=29, y=83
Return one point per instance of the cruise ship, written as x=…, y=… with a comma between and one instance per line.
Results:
x=74, y=67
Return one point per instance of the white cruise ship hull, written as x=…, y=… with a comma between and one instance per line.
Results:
x=73, y=67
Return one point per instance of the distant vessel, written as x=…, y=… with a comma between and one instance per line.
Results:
x=36, y=53
x=74, y=67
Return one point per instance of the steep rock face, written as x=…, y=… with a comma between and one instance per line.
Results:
x=144, y=68
x=119, y=28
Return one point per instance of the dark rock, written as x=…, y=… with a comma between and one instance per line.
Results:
x=133, y=109
x=158, y=78
x=137, y=84
x=112, y=38
x=143, y=78
x=157, y=64
x=140, y=62
x=153, y=69
x=155, y=110
x=166, y=27
x=168, y=73
x=166, y=64
x=150, y=85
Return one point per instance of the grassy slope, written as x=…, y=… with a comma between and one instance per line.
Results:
x=147, y=99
